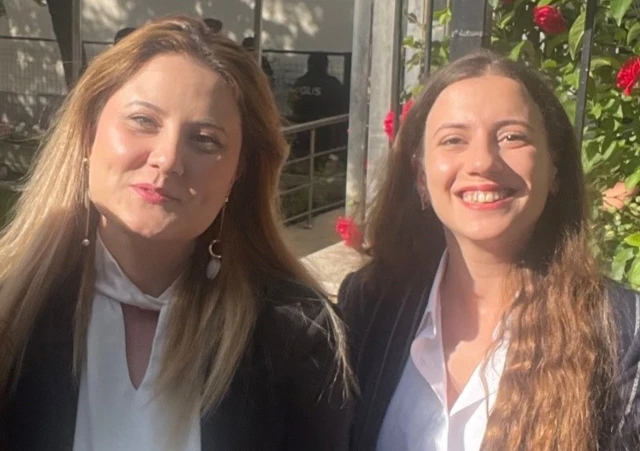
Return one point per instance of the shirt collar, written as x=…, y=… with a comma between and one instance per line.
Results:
x=429, y=326
x=113, y=283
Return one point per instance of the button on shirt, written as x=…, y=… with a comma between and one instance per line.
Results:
x=418, y=418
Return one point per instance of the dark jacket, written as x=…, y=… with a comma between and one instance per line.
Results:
x=317, y=95
x=382, y=324
x=280, y=398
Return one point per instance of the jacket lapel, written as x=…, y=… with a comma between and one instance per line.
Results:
x=391, y=330
x=42, y=412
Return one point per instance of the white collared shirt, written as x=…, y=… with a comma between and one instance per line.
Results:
x=417, y=418
x=112, y=413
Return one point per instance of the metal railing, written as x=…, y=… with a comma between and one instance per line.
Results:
x=312, y=178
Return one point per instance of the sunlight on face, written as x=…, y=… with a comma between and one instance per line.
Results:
x=166, y=151
x=487, y=164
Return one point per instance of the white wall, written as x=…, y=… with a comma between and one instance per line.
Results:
x=287, y=24
x=31, y=74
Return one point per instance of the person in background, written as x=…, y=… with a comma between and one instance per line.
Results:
x=482, y=320
x=249, y=43
x=317, y=95
x=214, y=25
x=148, y=300
x=121, y=34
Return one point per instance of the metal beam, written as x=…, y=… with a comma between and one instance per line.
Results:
x=382, y=84
x=470, y=26
x=397, y=66
x=76, y=40
x=585, y=63
x=257, y=28
x=359, y=110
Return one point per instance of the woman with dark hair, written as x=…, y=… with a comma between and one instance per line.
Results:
x=482, y=320
x=147, y=298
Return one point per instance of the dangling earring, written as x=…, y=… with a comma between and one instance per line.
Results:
x=87, y=202
x=213, y=268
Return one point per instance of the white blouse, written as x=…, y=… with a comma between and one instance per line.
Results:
x=418, y=418
x=112, y=413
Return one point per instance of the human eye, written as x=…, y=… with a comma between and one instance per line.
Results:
x=513, y=138
x=206, y=143
x=144, y=122
x=452, y=141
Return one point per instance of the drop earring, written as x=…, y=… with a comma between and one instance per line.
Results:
x=213, y=268
x=87, y=202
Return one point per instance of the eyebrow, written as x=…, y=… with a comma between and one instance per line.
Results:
x=210, y=123
x=199, y=123
x=503, y=123
x=149, y=105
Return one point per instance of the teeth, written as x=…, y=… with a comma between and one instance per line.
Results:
x=484, y=197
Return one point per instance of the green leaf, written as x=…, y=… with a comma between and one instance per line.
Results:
x=634, y=272
x=633, y=180
x=575, y=35
x=624, y=254
x=544, y=2
x=603, y=61
x=522, y=46
x=619, y=9
x=494, y=3
x=633, y=240
x=507, y=19
x=633, y=33
x=619, y=263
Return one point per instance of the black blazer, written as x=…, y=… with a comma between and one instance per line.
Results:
x=383, y=323
x=280, y=399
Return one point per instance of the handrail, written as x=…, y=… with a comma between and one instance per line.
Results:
x=307, y=126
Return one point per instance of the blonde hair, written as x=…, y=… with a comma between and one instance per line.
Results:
x=212, y=321
x=556, y=391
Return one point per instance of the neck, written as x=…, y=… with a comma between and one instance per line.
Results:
x=476, y=277
x=151, y=265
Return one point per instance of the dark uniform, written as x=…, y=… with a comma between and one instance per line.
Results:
x=314, y=96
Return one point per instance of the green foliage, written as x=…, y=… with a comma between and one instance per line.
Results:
x=610, y=148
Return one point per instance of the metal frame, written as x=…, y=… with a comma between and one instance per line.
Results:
x=358, y=143
x=470, y=26
x=76, y=40
x=312, y=127
x=257, y=28
x=585, y=63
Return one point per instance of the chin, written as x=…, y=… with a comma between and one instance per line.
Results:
x=147, y=228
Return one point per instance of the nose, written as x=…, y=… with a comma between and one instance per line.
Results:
x=168, y=153
x=483, y=156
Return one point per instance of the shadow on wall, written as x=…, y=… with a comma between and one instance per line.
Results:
x=32, y=78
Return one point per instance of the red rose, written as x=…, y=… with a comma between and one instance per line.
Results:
x=349, y=232
x=549, y=19
x=629, y=75
x=389, y=128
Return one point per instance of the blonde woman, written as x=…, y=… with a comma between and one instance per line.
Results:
x=148, y=301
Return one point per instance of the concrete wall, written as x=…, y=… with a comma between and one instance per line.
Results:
x=288, y=24
x=31, y=75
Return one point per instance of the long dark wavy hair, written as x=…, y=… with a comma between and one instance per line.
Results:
x=556, y=391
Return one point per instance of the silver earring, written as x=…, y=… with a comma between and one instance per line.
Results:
x=423, y=204
x=87, y=202
x=213, y=268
